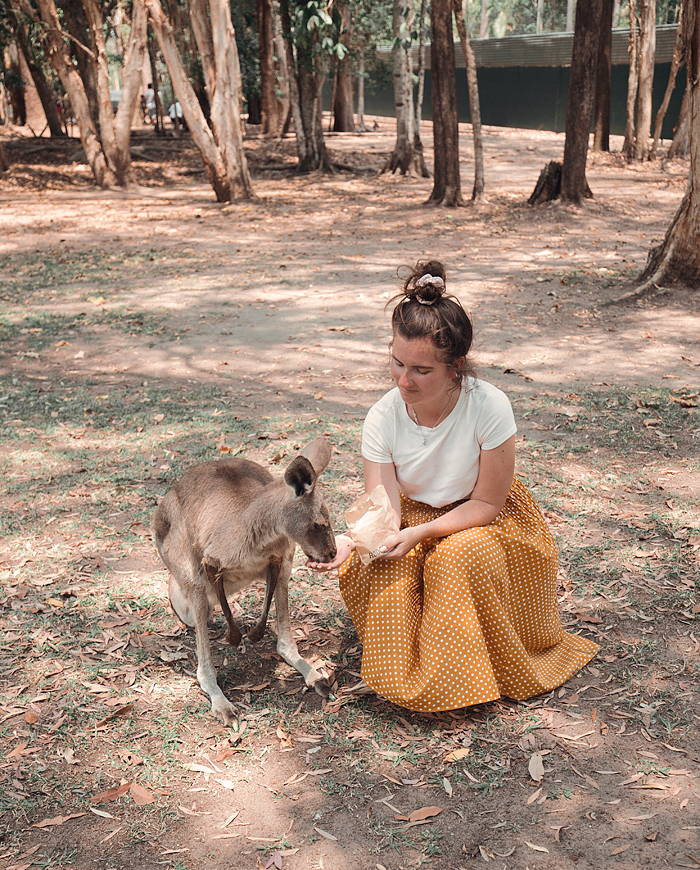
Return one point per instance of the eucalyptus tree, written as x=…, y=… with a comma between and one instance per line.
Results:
x=219, y=139
x=105, y=136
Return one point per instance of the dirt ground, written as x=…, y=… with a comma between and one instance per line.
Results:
x=143, y=331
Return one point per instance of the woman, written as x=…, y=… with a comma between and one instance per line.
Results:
x=461, y=607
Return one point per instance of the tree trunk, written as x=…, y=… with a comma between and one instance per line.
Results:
x=540, y=10
x=4, y=164
x=76, y=27
x=115, y=131
x=284, y=102
x=601, y=124
x=268, y=80
x=418, y=154
x=484, y=22
x=460, y=11
x=43, y=89
x=293, y=83
x=579, y=107
x=680, y=147
x=310, y=90
x=632, y=84
x=62, y=62
x=447, y=188
x=402, y=157
x=343, y=120
x=676, y=63
x=570, y=6
x=224, y=161
x=647, y=50
x=361, y=126
x=677, y=258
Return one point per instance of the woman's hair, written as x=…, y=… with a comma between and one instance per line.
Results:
x=425, y=310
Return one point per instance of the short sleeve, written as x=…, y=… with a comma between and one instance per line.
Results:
x=496, y=421
x=377, y=440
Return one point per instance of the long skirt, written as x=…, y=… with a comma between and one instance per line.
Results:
x=464, y=619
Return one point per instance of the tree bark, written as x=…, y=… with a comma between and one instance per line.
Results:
x=115, y=131
x=676, y=63
x=343, y=120
x=460, y=12
x=221, y=146
x=4, y=164
x=418, y=153
x=579, y=107
x=484, y=22
x=62, y=62
x=601, y=124
x=677, y=258
x=293, y=83
x=447, y=188
x=283, y=76
x=632, y=84
x=680, y=146
x=76, y=27
x=361, y=126
x=46, y=97
x=402, y=157
x=268, y=79
x=647, y=50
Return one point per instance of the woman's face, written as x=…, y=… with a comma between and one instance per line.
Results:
x=417, y=371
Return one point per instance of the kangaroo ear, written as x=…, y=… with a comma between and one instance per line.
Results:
x=300, y=476
x=318, y=452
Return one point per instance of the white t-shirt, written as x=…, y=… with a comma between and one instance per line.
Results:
x=446, y=468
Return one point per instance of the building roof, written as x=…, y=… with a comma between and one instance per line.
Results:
x=544, y=49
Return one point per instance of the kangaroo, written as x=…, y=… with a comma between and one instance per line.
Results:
x=227, y=523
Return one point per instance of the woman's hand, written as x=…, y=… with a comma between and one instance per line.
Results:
x=345, y=545
x=399, y=545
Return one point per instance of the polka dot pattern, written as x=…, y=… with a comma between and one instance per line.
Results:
x=464, y=619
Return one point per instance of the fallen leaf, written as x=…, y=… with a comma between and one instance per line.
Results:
x=111, y=794
x=424, y=813
x=536, y=848
x=30, y=717
x=141, y=795
x=557, y=830
x=200, y=768
x=447, y=785
x=457, y=755
x=325, y=833
x=536, y=767
x=101, y=813
x=533, y=797
x=57, y=820
x=485, y=854
x=620, y=849
x=129, y=757
x=122, y=711
x=226, y=783
x=652, y=837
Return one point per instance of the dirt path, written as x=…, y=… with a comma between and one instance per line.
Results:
x=148, y=330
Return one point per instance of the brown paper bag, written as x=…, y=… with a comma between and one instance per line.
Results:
x=370, y=523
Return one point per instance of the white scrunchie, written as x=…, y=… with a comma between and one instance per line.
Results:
x=432, y=280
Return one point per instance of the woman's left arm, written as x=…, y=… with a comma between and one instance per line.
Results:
x=496, y=470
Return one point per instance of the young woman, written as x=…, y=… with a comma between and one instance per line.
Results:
x=461, y=607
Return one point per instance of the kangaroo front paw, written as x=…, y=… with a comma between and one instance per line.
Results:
x=223, y=710
x=322, y=687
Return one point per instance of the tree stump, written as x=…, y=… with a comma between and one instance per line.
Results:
x=548, y=185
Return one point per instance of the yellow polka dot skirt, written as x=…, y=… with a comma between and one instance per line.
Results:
x=464, y=619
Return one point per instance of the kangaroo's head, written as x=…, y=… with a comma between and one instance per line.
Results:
x=306, y=517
